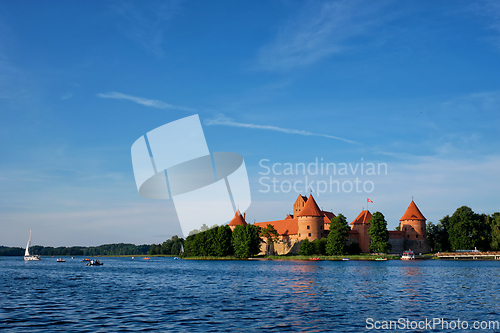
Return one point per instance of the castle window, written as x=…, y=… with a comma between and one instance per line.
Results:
x=408, y=236
x=299, y=235
x=308, y=227
x=416, y=236
x=309, y=234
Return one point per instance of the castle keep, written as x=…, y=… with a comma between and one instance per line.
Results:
x=309, y=221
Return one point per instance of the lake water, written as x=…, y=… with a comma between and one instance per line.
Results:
x=166, y=295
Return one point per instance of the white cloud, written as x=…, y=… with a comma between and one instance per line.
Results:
x=145, y=24
x=225, y=121
x=144, y=101
x=318, y=32
x=67, y=96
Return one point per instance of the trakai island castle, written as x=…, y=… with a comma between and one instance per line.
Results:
x=308, y=221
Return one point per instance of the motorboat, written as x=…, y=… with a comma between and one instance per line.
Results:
x=60, y=260
x=408, y=255
x=94, y=263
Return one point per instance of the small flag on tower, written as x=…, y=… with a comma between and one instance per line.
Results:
x=368, y=200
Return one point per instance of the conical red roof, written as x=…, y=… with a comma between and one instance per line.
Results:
x=238, y=219
x=310, y=208
x=363, y=218
x=412, y=213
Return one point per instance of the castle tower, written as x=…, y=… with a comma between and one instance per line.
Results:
x=310, y=220
x=413, y=223
x=361, y=224
x=238, y=219
x=298, y=205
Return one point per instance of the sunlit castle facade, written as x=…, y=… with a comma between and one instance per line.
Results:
x=309, y=221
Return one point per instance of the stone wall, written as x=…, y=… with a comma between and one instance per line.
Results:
x=398, y=245
x=281, y=247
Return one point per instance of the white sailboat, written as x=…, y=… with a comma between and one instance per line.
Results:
x=27, y=255
x=180, y=252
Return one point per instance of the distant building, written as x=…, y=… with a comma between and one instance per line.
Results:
x=308, y=221
x=238, y=219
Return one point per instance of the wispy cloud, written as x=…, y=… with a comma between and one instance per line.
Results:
x=318, y=32
x=154, y=103
x=225, y=121
x=490, y=9
x=145, y=23
x=67, y=96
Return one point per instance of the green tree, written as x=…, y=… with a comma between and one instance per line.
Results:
x=320, y=246
x=306, y=248
x=222, y=245
x=177, y=243
x=379, y=236
x=271, y=235
x=246, y=241
x=468, y=230
x=495, y=231
x=354, y=248
x=337, y=236
x=153, y=250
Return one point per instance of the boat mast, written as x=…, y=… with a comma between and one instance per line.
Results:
x=27, y=252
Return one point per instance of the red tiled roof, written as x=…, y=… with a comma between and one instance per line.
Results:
x=284, y=227
x=310, y=208
x=328, y=216
x=288, y=216
x=412, y=213
x=363, y=218
x=237, y=219
x=303, y=197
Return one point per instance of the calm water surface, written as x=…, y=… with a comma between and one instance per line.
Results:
x=162, y=294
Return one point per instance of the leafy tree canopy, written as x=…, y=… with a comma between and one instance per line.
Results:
x=379, y=236
x=337, y=236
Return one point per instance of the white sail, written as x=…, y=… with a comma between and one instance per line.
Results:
x=182, y=249
x=27, y=252
x=27, y=255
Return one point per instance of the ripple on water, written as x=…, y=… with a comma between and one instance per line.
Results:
x=250, y=296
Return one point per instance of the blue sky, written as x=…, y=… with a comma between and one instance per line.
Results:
x=410, y=84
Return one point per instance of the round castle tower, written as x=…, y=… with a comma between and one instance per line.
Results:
x=310, y=221
x=413, y=223
x=238, y=219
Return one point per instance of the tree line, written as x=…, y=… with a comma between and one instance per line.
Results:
x=465, y=230
x=171, y=246
x=103, y=250
x=243, y=242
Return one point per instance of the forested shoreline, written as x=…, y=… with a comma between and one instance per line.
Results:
x=465, y=229
x=101, y=250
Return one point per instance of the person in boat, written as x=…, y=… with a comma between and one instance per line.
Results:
x=97, y=262
x=91, y=262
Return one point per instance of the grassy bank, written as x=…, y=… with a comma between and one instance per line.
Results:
x=351, y=257
x=298, y=257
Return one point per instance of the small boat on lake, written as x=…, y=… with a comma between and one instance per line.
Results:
x=408, y=255
x=61, y=260
x=180, y=252
x=27, y=255
x=381, y=259
x=315, y=259
x=346, y=259
x=94, y=263
x=146, y=258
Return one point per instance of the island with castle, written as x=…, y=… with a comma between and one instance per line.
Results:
x=309, y=221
